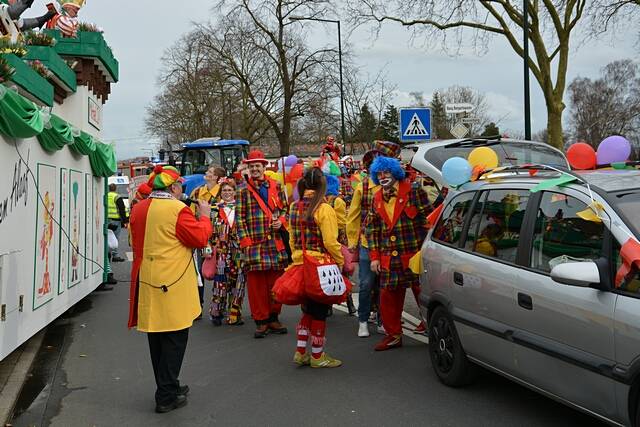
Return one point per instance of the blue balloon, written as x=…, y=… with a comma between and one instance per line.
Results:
x=456, y=171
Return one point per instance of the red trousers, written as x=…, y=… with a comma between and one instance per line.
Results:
x=259, y=286
x=391, y=305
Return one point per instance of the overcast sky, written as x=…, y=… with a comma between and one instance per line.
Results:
x=140, y=30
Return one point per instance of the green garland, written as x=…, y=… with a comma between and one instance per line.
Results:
x=21, y=118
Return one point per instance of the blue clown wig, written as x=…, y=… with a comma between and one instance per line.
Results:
x=333, y=185
x=386, y=164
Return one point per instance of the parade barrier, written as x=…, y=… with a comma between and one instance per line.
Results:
x=53, y=242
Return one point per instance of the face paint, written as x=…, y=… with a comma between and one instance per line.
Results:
x=386, y=182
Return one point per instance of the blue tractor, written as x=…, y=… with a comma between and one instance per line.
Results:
x=199, y=155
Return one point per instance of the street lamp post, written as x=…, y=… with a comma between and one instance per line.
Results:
x=527, y=100
x=333, y=21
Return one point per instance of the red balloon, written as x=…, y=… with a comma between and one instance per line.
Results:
x=582, y=156
x=295, y=173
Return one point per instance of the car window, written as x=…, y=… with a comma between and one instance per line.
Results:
x=497, y=224
x=562, y=235
x=631, y=282
x=449, y=227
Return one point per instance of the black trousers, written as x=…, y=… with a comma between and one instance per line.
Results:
x=316, y=310
x=167, y=351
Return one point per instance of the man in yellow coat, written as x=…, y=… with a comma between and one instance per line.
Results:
x=164, y=286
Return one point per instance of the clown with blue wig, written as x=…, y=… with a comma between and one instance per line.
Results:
x=395, y=232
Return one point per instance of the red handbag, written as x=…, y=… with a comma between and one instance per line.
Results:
x=210, y=265
x=323, y=280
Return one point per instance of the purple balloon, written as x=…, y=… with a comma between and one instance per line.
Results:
x=291, y=160
x=613, y=149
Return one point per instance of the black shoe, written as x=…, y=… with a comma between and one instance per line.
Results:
x=350, y=306
x=117, y=259
x=102, y=287
x=216, y=321
x=330, y=312
x=183, y=390
x=111, y=280
x=179, y=402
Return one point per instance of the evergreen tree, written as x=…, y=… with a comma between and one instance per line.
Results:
x=490, y=130
x=365, y=131
x=389, y=124
x=439, y=125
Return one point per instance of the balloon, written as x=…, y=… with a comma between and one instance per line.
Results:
x=456, y=171
x=291, y=160
x=296, y=173
x=581, y=156
x=613, y=149
x=484, y=157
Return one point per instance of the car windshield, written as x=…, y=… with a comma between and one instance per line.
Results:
x=509, y=153
x=628, y=204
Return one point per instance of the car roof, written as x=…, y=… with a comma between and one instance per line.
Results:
x=607, y=180
x=214, y=142
x=420, y=163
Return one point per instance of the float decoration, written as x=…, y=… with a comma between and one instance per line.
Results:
x=483, y=157
x=456, y=171
x=613, y=149
x=21, y=118
x=582, y=156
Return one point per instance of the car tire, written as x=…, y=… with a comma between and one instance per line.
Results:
x=448, y=359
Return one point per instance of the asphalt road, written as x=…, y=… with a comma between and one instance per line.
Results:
x=92, y=371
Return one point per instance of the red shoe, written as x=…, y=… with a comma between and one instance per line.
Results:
x=421, y=328
x=389, y=342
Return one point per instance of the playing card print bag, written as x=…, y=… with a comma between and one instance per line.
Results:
x=323, y=280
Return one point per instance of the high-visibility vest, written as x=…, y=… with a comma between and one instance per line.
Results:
x=112, y=209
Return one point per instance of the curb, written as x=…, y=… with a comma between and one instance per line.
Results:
x=11, y=391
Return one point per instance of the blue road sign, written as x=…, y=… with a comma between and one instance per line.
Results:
x=415, y=124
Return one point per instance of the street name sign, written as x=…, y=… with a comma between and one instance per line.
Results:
x=470, y=120
x=459, y=107
x=415, y=124
x=459, y=131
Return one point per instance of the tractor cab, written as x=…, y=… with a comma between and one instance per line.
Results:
x=199, y=155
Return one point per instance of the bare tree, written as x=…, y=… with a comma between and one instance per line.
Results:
x=465, y=94
x=607, y=106
x=270, y=59
x=199, y=98
x=551, y=24
x=609, y=14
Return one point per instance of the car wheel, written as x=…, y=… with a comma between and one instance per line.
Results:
x=448, y=358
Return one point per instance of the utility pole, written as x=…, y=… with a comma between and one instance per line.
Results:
x=527, y=95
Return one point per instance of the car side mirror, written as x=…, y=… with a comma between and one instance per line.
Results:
x=584, y=274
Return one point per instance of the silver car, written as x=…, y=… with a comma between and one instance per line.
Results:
x=526, y=279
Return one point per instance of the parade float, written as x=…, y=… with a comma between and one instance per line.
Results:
x=53, y=85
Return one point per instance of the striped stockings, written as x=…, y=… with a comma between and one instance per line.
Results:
x=303, y=333
x=317, y=341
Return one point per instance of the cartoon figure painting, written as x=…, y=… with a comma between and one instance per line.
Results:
x=46, y=236
x=64, y=220
x=75, y=234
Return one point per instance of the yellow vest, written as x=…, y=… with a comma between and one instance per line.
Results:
x=164, y=262
x=112, y=209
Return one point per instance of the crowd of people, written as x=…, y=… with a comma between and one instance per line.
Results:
x=247, y=234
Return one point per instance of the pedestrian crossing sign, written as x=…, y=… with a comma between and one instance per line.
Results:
x=415, y=124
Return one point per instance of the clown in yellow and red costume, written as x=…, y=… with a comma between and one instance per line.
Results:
x=164, y=287
x=396, y=228
x=261, y=218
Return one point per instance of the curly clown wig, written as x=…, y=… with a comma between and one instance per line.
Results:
x=386, y=164
x=333, y=185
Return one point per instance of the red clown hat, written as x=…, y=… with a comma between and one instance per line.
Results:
x=256, y=156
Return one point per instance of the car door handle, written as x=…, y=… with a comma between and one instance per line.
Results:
x=525, y=301
x=458, y=278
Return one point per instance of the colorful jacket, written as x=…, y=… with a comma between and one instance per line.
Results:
x=263, y=248
x=321, y=234
x=163, y=234
x=358, y=212
x=340, y=207
x=393, y=240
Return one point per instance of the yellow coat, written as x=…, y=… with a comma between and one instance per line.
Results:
x=354, y=217
x=163, y=233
